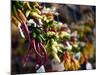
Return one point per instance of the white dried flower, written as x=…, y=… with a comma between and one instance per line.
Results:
x=30, y=22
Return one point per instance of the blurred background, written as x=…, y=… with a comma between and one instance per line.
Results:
x=80, y=18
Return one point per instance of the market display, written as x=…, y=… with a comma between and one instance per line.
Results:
x=46, y=41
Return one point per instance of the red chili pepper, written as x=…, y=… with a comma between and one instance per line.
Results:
x=64, y=55
x=34, y=47
x=44, y=51
x=38, y=58
x=27, y=32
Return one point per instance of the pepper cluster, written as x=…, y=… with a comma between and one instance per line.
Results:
x=48, y=39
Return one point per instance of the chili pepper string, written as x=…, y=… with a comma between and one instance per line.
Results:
x=33, y=43
x=43, y=50
x=36, y=47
